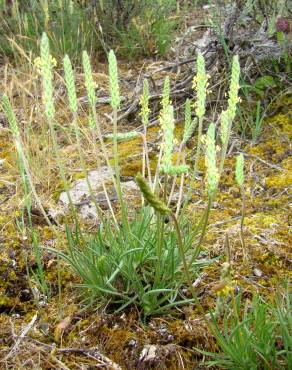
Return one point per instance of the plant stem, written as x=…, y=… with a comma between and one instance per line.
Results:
x=175, y=177
x=61, y=168
x=242, y=223
x=160, y=232
x=204, y=227
x=94, y=139
x=223, y=154
x=19, y=148
x=117, y=172
x=146, y=162
x=196, y=166
x=156, y=177
x=185, y=265
x=104, y=152
x=198, y=152
x=181, y=188
x=159, y=223
x=82, y=161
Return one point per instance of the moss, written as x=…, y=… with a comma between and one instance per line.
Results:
x=6, y=302
x=280, y=180
x=79, y=176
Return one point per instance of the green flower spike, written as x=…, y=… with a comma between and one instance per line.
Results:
x=224, y=128
x=70, y=85
x=234, y=88
x=113, y=80
x=165, y=102
x=167, y=124
x=239, y=170
x=150, y=197
x=91, y=122
x=200, y=83
x=10, y=115
x=144, y=102
x=189, y=124
x=47, y=74
x=89, y=83
x=210, y=160
x=176, y=170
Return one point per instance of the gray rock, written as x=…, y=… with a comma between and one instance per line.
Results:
x=80, y=191
x=82, y=199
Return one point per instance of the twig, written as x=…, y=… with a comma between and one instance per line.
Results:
x=22, y=336
x=92, y=353
x=265, y=162
x=171, y=66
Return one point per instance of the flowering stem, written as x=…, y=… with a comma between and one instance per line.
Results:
x=104, y=152
x=61, y=167
x=117, y=171
x=224, y=152
x=146, y=162
x=82, y=161
x=198, y=152
x=242, y=223
x=160, y=222
x=24, y=161
x=181, y=188
x=196, y=166
x=160, y=229
x=175, y=177
x=186, y=268
x=203, y=223
x=182, y=253
x=156, y=177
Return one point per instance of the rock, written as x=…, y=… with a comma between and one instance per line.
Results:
x=56, y=214
x=257, y=272
x=130, y=189
x=80, y=191
x=82, y=199
x=148, y=353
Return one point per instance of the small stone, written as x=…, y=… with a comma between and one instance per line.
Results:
x=257, y=272
x=80, y=190
x=82, y=198
x=199, y=280
x=163, y=331
x=16, y=316
x=148, y=353
x=132, y=343
x=25, y=295
x=43, y=303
